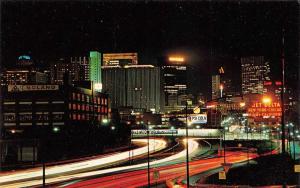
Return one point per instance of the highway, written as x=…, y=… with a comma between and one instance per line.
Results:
x=66, y=169
x=172, y=174
x=193, y=146
x=172, y=170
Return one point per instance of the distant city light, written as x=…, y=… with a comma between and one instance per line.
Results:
x=176, y=59
x=55, y=129
x=242, y=104
x=104, y=121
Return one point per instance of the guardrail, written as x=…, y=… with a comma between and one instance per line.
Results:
x=202, y=133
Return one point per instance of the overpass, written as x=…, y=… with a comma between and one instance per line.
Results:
x=199, y=133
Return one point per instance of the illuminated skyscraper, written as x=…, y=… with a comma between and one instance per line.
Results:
x=60, y=67
x=175, y=82
x=221, y=85
x=84, y=67
x=215, y=86
x=254, y=72
x=95, y=69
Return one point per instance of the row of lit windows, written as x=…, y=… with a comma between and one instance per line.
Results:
x=87, y=98
x=89, y=108
x=76, y=116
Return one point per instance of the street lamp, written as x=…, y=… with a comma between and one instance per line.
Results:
x=187, y=144
x=148, y=154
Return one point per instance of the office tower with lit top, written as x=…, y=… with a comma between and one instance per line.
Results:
x=25, y=72
x=113, y=59
x=175, y=82
x=95, y=70
x=254, y=72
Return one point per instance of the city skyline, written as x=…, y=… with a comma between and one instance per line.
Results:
x=204, y=32
x=149, y=93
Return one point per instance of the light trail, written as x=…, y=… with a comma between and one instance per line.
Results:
x=28, y=175
x=170, y=172
x=193, y=146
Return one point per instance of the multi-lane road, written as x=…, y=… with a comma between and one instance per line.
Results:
x=20, y=178
x=90, y=173
x=170, y=174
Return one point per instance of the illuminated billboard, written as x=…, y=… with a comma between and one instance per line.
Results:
x=264, y=110
x=197, y=119
x=20, y=88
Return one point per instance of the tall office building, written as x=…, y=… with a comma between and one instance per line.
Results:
x=112, y=59
x=25, y=72
x=215, y=86
x=175, y=82
x=254, y=72
x=221, y=85
x=84, y=67
x=136, y=86
x=60, y=67
x=95, y=70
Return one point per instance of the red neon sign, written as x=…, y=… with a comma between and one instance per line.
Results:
x=259, y=109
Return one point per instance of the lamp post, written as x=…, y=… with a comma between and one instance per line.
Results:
x=224, y=147
x=148, y=154
x=187, y=145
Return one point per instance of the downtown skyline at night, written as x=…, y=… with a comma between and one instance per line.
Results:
x=149, y=94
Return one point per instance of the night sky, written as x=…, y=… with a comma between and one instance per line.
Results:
x=209, y=34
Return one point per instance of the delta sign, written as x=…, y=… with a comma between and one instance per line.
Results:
x=264, y=110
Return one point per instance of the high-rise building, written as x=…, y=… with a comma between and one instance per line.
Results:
x=175, y=82
x=95, y=70
x=112, y=59
x=24, y=61
x=221, y=85
x=24, y=73
x=84, y=67
x=254, y=72
x=59, y=68
x=273, y=88
x=136, y=86
x=215, y=86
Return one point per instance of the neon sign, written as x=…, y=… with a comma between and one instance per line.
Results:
x=264, y=110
